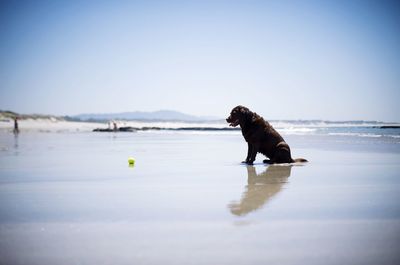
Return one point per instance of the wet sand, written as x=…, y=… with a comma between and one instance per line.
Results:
x=72, y=199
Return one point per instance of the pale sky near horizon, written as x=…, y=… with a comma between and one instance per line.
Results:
x=332, y=60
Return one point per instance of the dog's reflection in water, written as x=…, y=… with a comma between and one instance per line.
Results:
x=261, y=188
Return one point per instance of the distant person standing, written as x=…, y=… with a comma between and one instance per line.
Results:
x=16, y=129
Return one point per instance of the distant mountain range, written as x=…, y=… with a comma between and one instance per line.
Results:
x=161, y=115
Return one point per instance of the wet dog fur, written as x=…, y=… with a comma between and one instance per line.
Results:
x=261, y=137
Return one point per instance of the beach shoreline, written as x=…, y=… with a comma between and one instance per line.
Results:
x=351, y=128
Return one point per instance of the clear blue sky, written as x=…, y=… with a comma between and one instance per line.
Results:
x=336, y=60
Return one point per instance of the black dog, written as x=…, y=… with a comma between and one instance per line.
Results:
x=260, y=137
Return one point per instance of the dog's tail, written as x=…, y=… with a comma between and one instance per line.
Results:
x=300, y=160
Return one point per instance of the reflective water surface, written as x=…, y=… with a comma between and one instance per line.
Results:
x=261, y=188
x=71, y=198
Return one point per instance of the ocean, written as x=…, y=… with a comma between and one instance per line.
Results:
x=312, y=127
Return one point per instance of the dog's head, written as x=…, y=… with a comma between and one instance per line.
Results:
x=239, y=114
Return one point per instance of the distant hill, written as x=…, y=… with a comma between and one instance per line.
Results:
x=161, y=115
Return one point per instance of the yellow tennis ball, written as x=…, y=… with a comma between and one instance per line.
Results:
x=131, y=161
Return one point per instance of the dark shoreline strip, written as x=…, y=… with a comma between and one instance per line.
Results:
x=389, y=127
x=134, y=129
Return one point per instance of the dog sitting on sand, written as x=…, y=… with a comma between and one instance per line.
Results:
x=261, y=137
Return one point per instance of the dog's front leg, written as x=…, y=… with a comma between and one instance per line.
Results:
x=249, y=151
x=253, y=154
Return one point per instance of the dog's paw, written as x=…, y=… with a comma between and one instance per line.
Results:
x=244, y=162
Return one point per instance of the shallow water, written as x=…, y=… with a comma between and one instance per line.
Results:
x=71, y=198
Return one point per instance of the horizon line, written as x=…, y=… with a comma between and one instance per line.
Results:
x=213, y=118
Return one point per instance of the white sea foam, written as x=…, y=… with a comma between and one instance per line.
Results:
x=370, y=135
x=356, y=134
x=296, y=130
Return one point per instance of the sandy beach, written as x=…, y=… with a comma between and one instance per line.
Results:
x=72, y=198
